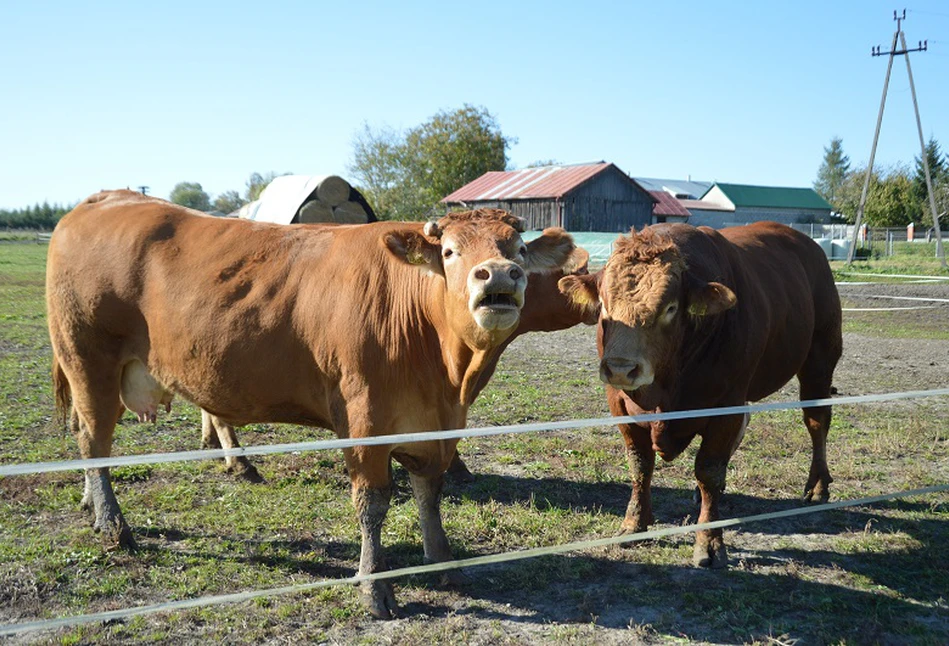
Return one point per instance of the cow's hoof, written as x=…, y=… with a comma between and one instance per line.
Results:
x=458, y=472
x=634, y=524
x=711, y=555
x=116, y=534
x=379, y=599
x=246, y=471
x=453, y=578
x=818, y=494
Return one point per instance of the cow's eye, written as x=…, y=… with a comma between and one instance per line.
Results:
x=522, y=251
x=671, y=310
x=447, y=253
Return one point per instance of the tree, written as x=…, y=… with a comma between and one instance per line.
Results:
x=405, y=174
x=228, y=202
x=939, y=173
x=890, y=200
x=379, y=170
x=833, y=173
x=256, y=184
x=190, y=194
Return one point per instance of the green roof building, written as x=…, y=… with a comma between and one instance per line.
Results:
x=736, y=204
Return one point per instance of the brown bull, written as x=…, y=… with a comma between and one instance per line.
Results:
x=546, y=309
x=368, y=330
x=697, y=318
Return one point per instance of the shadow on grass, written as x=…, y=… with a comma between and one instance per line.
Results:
x=872, y=592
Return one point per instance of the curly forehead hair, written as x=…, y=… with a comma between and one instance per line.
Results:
x=642, y=268
x=482, y=215
x=645, y=246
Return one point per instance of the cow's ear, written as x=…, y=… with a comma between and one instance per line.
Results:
x=710, y=298
x=584, y=292
x=550, y=251
x=413, y=248
x=578, y=262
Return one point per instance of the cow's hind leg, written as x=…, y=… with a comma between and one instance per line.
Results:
x=369, y=471
x=817, y=421
x=816, y=377
x=93, y=422
x=217, y=434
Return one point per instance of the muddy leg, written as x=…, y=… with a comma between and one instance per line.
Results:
x=94, y=426
x=642, y=461
x=369, y=469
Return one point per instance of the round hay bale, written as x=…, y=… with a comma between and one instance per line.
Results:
x=350, y=213
x=315, y=211
x=333, y=190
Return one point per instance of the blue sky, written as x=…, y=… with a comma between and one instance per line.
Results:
x=124, y=94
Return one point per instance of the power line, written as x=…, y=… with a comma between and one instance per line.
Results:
x=900, y=38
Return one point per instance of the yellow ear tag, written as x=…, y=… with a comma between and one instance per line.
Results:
x=416, y=257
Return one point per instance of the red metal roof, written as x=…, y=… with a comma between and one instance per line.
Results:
x=527, y=183
x=668, y=205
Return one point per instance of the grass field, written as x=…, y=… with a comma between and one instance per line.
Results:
x=855, y=576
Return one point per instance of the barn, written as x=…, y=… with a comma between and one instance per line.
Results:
x=577, y=197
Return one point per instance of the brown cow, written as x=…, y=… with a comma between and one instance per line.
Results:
x=368, y=330
x=697, y=318
x=546, y=309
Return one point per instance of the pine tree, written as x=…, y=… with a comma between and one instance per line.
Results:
x=833, y=173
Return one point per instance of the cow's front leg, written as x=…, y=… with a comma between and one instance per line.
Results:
x=428, y=493
x=370, y=475
x=642, y=461
x=710, y=465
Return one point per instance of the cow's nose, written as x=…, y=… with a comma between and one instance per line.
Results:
x=619, y=372
x=493, y=272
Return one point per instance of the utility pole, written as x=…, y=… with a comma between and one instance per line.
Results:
x=904, y=51
x=143, y=189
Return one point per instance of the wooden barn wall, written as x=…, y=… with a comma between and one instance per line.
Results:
x=537, y=214
x=609, y=203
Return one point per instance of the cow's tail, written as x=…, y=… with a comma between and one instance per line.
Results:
x=61, y=392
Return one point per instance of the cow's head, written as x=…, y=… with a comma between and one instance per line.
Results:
x=649, y=302
x=485, y=264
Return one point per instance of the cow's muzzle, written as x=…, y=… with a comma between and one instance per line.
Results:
x=628, y=374
x=496, y=294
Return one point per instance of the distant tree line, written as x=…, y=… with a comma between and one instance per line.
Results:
x=41, y=216
x=896, y=196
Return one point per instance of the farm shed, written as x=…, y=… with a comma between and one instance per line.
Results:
x=294, y=199
x=736, y=204
x=578, y=197
x=668, y=208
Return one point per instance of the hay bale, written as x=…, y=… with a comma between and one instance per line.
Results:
x=350, y=213
x=333, y=190
x=315, y=211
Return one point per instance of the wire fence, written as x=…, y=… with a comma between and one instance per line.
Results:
x=206, y=601
x=157, y=458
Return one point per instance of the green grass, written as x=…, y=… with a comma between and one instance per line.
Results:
x=863, y=575
x=908, y=258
